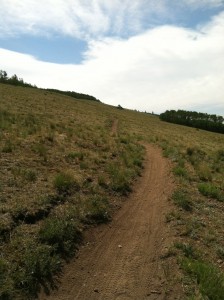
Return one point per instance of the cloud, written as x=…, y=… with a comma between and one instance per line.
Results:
x=203, y=3
x=166, y=67
x=86, y=19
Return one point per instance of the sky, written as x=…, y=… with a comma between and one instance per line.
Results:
x=148, y=55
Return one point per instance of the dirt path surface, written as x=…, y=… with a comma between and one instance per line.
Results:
x=122, y=260
x=114, y=128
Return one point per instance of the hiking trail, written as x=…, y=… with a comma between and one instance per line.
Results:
x=122, y=259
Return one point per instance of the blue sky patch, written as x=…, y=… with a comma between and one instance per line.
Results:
x=55, y=49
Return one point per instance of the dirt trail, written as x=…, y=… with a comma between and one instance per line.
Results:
x=122, y=260
x=114, y=128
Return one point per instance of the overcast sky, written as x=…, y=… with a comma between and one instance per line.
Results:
x=142, y=54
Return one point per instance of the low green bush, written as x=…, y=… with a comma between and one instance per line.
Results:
x=6, y=283
x=180, y=171
x=62, y=234
x=209, y=278
x=37, y=266
x=98, y=209
x=64, y=183
x=210, y=190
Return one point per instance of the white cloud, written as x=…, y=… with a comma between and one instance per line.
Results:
x=203, y=3
x=90, y=18
x=163, y=68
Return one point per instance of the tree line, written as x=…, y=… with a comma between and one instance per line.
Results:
x=14, y=80
x=195, y=119
x=74, y=94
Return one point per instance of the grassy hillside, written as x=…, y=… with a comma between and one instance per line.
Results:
x=67, y=164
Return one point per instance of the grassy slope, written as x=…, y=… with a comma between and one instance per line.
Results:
x=62, y=168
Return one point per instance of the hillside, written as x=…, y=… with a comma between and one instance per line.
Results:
x=69, y=164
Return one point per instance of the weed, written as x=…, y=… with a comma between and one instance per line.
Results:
x=204, y=172
x=8, y=147
x=210, y=190
x=75, y=156
x=6, y=283
x=220, y=252
x=188, y=250
x=41, y=150
x=120, y=179
x=98, y=209
x=61, y=233
x=220, y=154
x=64, y=183
x=30, y=175
x=209, y=279
x=181, y=199
x=180, y=171
x=102, y=181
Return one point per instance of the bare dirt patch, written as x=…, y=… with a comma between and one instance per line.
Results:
x=122, y=260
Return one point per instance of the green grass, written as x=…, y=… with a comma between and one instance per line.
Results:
x=64, y=183
x=210, y=190
x=209, y=278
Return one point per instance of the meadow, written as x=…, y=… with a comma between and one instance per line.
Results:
x=68, y=164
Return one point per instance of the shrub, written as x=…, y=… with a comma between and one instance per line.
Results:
x=181, y=199
x=204, y=172
x=6, y=283
x=98, y=209
x=209, y=279
x=8, y=147
x=62, y=234
x=210, y=190
x=38, y=264
x=120, y=179
x=30, y=175
x=180, y=171
x=220, y=154
x=64, y=183
x=41, y=150
x=75, y=155
x=187, y=249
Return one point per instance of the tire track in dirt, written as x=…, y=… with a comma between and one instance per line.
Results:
x=122, y=260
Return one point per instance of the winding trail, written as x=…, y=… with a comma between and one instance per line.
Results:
x=122, y=260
